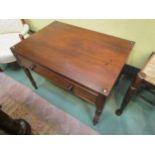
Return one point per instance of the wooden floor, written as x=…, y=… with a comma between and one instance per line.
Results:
x=10, y=88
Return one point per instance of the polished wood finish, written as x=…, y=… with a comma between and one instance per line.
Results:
x=81, y=61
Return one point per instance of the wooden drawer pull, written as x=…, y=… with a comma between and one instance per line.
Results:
x=70, y=88
x=32, y=67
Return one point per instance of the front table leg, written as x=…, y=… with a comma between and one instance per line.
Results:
x=28, y=73
x=99, y=108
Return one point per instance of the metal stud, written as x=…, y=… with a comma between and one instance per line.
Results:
x=105, y=91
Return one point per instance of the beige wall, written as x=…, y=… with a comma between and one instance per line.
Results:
x=140, y=31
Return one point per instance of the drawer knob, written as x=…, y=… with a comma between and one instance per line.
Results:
x=70, y=87
x=32, y=67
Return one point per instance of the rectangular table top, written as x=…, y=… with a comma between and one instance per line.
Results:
x=89, y=58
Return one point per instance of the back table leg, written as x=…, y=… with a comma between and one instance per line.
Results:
x=28, y=73
x=99, y=108
x=135, y=85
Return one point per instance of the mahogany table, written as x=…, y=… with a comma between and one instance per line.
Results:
x=81, y=61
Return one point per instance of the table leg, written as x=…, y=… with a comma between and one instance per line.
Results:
x=135, y=85
x=99, y=108
x=28, y=73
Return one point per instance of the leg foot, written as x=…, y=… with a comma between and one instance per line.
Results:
x=96, y=119
x=99, y=108
x=118, y=112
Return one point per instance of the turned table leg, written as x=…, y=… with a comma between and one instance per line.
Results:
x=28, y=73
x=11, y=126
x=135, y=85
x=99, y=108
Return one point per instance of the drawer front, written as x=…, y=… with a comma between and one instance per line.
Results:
x=85, y=94
x=53, y=77
x=67, y=85
x=60, y=81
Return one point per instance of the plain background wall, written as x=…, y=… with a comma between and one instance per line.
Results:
x=140, y=31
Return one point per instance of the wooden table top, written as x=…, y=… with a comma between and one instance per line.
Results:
x=89, y=58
